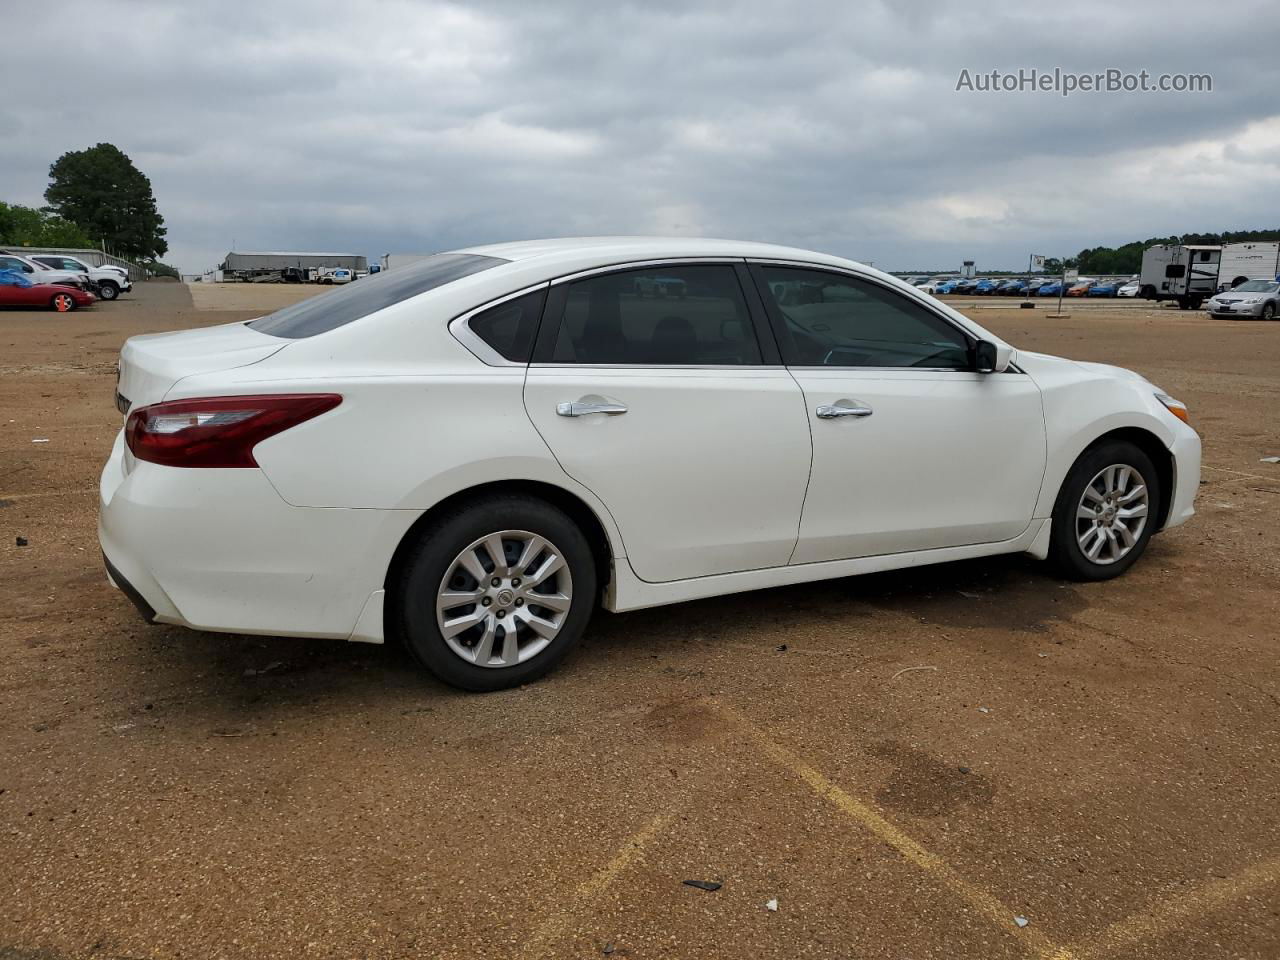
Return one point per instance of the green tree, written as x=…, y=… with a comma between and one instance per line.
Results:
x=28, y=227
x=101, y=191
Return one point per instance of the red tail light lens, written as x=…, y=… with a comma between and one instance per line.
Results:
x=217, y=431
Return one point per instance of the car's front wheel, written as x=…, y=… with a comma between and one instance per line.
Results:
x=63, y=302
x=1105, y=513
x=496, y=593
x=108, y=290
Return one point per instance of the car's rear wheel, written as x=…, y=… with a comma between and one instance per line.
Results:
x=1105, y=513
x=108, y=290
x=63, y=302
x=496, y=593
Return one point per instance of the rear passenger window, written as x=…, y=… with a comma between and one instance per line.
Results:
x=687, y=315
x=509, y=327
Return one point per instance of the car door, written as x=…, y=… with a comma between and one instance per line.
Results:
x=652, y=388
x=912, y=449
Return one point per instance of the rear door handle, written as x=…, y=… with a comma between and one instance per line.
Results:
x=589, y=405
x=843, y=408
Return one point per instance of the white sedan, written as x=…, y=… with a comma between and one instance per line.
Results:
x=471, y=453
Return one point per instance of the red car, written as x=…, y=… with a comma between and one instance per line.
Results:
x=54, y=296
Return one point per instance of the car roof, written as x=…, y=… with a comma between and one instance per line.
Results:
x=586, y=252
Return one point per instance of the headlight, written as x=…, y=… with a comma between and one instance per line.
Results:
x=1176, y=407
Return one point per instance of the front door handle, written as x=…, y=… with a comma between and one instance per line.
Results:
x=843, y=408
x=589, y=405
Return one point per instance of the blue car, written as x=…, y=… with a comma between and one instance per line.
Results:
x=986, y=287
x=1051, y=289
x=948, y=287
x=966, y=284
x=1013, y=287
x=1108, y=289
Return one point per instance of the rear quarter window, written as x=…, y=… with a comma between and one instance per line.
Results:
x=370, y=294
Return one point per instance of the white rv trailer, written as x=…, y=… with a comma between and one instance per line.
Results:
x=1187, y=274
x=1255, y=260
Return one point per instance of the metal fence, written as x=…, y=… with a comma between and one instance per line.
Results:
x=95, y=258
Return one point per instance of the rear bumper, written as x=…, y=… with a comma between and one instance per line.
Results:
x=220, y=550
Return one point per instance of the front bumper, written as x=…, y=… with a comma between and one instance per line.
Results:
x=220, y=550
x=1186, y=476
x=1236, y=310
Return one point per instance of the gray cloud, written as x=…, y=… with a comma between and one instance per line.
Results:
x=412, y=126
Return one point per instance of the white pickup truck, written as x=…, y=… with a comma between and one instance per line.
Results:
x=111, y=281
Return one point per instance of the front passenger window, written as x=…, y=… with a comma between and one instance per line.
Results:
x=835, y=320
x=692, y=315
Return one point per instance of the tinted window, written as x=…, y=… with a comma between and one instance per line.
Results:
x=332, y=310
x=13, y=263
x=665, y=315
x=509, y=327
x=833, y=320
x=1175, y=270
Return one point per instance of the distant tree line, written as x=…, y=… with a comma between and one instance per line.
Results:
x=28, y=227
x=1128, y=258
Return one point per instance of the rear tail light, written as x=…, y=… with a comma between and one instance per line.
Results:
x=217, y=431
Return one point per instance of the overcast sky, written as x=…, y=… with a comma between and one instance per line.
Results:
x=421, y=126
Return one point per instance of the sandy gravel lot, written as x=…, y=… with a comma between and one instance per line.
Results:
x=1101, y=760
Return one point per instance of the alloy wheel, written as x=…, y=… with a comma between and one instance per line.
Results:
x=1112, y=514
x=504, y=598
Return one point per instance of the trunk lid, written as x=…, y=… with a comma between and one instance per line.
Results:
x=151, y=364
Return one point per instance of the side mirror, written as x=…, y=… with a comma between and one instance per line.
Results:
x=27, y=268
x=991, y=358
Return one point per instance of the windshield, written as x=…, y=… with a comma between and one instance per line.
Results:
x=1257, y=286
x=370, y=294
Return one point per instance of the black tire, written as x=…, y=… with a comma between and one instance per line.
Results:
x=108, y=290
x=1148, y=292
x=1065, y=551
x=432, y=557
x=1268, y=311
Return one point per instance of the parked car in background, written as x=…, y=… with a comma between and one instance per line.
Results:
x=1012, y=286
x=1104, y=288
x=1050, y=288
x=38, y=273
x=931, y=286
x=109, y=280
x=591, y=446
x=986, y=287
x=1129, y=289
x=18, y=290
x=948, y=286
x=966, y=284
x=1253, y=298
x=1080, y=288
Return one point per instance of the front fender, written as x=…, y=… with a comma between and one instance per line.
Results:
x=1081, y=404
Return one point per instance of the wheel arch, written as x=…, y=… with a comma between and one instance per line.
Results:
x=578, y=510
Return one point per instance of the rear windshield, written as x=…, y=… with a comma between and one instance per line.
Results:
x=369, y=294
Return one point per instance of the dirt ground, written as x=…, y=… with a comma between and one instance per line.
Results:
x=906, y=763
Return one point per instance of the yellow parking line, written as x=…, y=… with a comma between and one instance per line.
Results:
x=48, y=493
x=545, y=936
x=875, y=823
x=1239, y=473
x=1174, y=913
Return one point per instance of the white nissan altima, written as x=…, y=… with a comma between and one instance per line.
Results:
x=471, y=453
